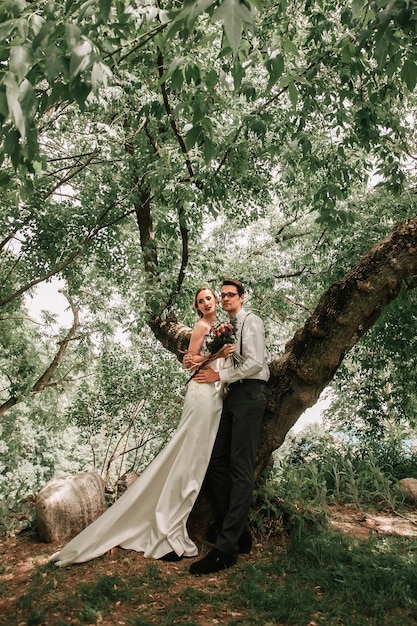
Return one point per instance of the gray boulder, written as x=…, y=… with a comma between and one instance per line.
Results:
x=408, y=488
x=66, y=505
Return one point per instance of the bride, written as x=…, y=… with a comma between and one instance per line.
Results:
x=151, y=516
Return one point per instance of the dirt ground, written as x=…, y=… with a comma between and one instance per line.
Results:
x=22, y=555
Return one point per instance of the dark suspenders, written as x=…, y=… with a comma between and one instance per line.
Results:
x=241, y=331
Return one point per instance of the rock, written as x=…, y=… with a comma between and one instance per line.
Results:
x=125, y=482
x=408, y=487
x=66, y=505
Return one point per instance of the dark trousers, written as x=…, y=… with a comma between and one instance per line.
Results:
x=230, y=474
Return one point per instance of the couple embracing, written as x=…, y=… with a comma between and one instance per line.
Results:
x=215, y=443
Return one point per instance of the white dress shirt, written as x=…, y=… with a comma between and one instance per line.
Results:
x=253, y=350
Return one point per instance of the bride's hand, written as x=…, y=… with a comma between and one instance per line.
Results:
x=188, y=361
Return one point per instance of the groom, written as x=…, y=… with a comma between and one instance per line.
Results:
x=230, y=474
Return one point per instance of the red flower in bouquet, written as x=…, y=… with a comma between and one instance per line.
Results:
x=220, y=335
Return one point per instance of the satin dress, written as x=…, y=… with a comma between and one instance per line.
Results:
x=151, y=515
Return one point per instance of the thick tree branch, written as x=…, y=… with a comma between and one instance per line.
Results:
x=142, y=206
x=172, y=121
x=146, y=233
x=45, y=380
x=344, y=313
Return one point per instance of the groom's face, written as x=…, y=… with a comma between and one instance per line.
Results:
x=231, y=300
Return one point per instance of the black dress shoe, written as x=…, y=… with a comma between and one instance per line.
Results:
x=245, y=542
x=171, y=557
x=214, y=561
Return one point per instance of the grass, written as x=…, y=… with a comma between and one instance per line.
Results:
x=319, y=576
x=86, y=602
x=325, y=578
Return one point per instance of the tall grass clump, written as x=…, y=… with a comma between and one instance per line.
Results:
x=318, y=468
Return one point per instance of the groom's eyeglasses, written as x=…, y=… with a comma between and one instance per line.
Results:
x=229, y=294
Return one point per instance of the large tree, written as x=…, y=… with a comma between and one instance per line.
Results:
x=128, y=128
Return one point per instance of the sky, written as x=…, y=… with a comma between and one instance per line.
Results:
x=48, y=298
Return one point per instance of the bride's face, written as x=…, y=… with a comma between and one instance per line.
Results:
x=206, y=302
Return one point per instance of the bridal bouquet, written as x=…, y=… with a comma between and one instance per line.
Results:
x=220, y=335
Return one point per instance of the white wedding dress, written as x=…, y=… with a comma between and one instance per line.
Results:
x=151, y=516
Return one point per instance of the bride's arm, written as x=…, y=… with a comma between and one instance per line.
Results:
x=192, y=357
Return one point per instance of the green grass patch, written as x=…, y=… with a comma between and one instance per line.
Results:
x=86, y=601
x=317, y=575
x=330, y=579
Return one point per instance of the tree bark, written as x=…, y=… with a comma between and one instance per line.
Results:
x=342, y=316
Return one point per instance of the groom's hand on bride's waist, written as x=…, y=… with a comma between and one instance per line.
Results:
x=206, y=375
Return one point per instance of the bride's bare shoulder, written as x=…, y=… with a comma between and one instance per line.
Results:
x=203, y=325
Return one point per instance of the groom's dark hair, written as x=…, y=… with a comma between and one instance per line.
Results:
x=236, y=283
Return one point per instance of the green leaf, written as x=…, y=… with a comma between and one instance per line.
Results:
x=4, y=109
x=22, y=27
x=36, y=23
x=357, y=6
x=198, y=7
x=192, y=73
x=20, y=61
x=198, y=115
x=6, y=29
x=207, y=125
x=348, y=51
x=305, y=146
x=80, y=92
x=257, y=126
x=293, y=93
x=80, y=58
x=177, y=80
x=249, y=92
x=174, y=65
x=275, y=67
x=193, y=136
x=4, y=179
x=233, y=13
x=72, y=35
x=15, y=109
x=99, y=75
x=289, y=46
x=208, y=150
x=11, y=146
x=238, y=74
x=211, y=78
x=409, y=74
x=53, y=63
x=27, y=99
x=105, y=6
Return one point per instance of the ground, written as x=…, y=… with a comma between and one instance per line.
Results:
x=21, y=556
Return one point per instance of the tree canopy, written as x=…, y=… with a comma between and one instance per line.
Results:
x=150, y=147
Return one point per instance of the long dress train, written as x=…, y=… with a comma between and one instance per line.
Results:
x=151, y=516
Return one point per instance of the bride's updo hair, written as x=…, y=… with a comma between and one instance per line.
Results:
x=199, y=313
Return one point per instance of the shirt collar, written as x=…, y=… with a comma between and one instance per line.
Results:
x=241, y=313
